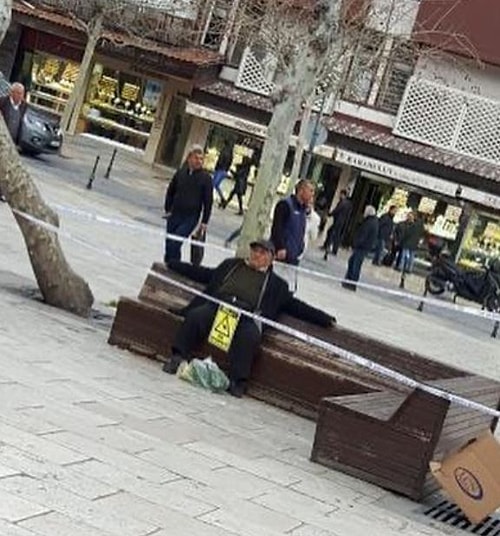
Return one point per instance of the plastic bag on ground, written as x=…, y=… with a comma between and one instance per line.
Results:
x=204, y=373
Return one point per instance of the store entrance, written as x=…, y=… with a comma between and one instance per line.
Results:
x=366, y=192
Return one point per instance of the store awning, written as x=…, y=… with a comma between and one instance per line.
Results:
x=424, y=181
x=368, y=139
x=246, y=126
x=188, y=62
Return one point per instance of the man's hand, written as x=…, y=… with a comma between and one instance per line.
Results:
x=202, y=229
x=281, y=254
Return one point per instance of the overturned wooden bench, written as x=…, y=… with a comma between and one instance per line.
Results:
x=390, y=438
x=369, y=426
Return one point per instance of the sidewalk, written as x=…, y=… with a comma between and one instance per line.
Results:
x=98, y=442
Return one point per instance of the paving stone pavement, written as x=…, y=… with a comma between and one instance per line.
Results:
x=95, y=441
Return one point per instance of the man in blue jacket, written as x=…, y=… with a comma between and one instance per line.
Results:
x=289, y=223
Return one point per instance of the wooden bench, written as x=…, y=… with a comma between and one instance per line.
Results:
x=390, y=438
x=369, y=426
x=287, y=372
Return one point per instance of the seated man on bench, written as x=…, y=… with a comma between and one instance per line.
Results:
x=249, y=284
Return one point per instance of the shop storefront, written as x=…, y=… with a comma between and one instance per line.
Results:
x=120, y=106
x=440, y=204
x=51, y=82
x=482, y=240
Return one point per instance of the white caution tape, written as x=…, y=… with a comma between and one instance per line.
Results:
x=487, y=315
x=338, y=351
x=308, y=339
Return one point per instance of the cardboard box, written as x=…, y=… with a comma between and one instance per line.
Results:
x=471, y=477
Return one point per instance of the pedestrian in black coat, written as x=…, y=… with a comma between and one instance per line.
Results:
x=188, y=202
x=240, y=183
x=250, y=285
x=335, y=233
x=364, y=242
x=385, y=232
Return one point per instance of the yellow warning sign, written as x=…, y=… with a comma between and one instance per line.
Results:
x=225, y=324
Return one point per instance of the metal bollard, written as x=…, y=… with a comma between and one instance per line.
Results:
x=495, y=329
x=111, y=162
x=93, y=172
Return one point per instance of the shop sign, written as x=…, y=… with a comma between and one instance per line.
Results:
x=226, y=119
x=243, y=125
x=421, y=180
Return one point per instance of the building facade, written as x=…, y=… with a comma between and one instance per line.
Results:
x=419, y=128
x=136, y=85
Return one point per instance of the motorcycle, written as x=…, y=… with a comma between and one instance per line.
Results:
x=479, y=286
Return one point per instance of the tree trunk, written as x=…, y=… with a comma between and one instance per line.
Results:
x=299, y=83
x=59, y=285
x=76, y=99
x=301, y=144
x=279, y=131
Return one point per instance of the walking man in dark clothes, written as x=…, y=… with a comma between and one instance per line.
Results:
x=335, y=233
x=251, y=285
x=364, y=242
x=189, y=197
x=385, y=231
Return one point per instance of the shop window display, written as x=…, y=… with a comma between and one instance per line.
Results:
x=52, y=81
x=482, y=241
x=121, y=107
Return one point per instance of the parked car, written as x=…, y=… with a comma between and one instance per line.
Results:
x=40, y=132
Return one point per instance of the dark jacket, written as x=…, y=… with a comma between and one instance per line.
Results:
x=190, y=193
x=412, y=234
x=289, y=228
x=276, y=300
x=241, y=177
x=385, y=227
x=6, y=110
x=225, y=159
x=341, y=213
x=366, y=235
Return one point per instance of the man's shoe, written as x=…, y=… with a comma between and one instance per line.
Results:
x=325, y=256
x=171, y=366
x=349, y=286
x=237, y=389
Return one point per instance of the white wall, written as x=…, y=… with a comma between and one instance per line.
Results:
x=462, y=74
x=396, y=17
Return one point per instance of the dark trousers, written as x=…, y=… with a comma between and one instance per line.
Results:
x=234, y=235
x=236, y=193
x=354, y=264
x=196, y=328
x=333, y=238
x=379, y=250
x=182, y=226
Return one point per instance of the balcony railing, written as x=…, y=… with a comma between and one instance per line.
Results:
x=444, y=117
x=166, y=22
x=257, y=73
